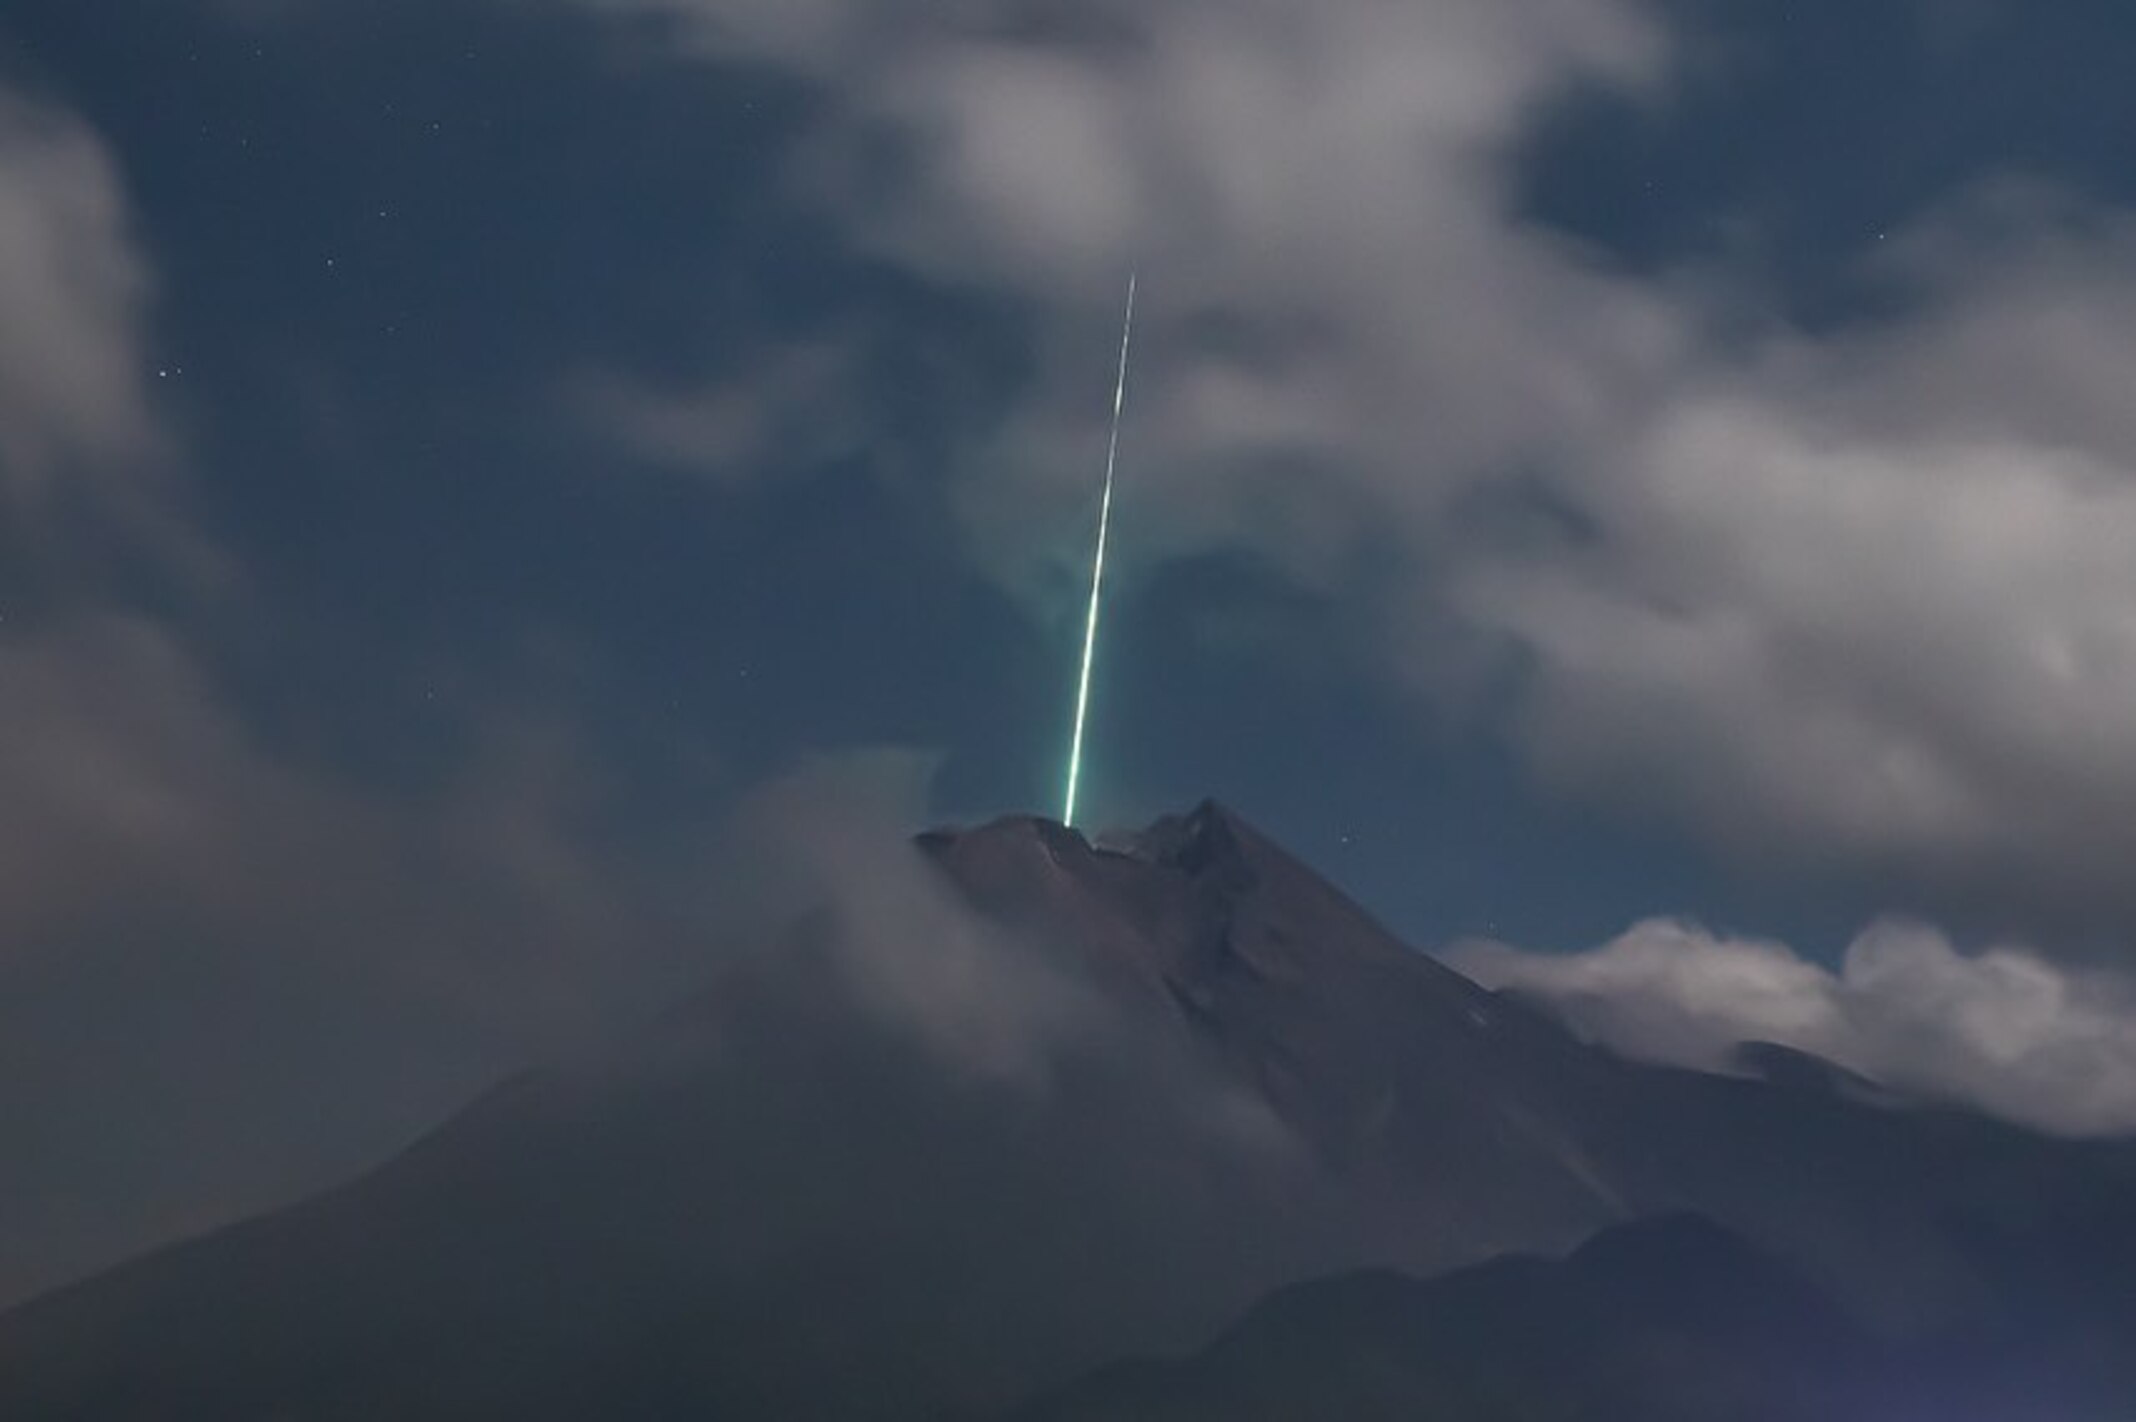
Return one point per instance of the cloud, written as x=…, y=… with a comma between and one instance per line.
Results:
x=1867, y=598
x=833, y=838
x=1826, y=597
x=1332, y=285
x=73, y=291
x=830, y=846
x=2004, y=1031
x=87, y=479
x=137, y=790
x=794, y=407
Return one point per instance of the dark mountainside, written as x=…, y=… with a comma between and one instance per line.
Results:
x=1671, y=1320
x=1170, y=1078
x=1665, y=1320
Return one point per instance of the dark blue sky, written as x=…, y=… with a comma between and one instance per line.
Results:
x=435, y=614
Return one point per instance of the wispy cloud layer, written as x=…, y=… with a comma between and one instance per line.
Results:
x=2004, y=1031
x=229, y=974
x=73, y=287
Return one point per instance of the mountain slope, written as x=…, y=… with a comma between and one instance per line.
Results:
x=1468, y=1124
x=1009, y=1108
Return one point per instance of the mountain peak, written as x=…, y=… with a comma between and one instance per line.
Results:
x=1209, y=837
x=1208, y=832
x=1194, y=890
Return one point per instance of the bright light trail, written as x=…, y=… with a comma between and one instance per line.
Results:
x=1097, y=567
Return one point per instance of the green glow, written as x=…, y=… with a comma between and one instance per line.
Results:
x=1097, y=567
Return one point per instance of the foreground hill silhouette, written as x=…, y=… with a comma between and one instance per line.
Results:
x=1670, y=1320
x=1665, y=1320
x=1011, y=1108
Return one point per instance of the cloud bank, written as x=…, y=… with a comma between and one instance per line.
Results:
x=2004, y=1031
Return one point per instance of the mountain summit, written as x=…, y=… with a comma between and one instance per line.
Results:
x=819, y=1192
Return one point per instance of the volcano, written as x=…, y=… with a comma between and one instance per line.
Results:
x=1012, y=1107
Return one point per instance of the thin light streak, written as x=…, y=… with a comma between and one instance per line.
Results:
x=1097, y=567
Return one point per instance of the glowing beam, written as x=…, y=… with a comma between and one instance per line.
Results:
x=1097, y=567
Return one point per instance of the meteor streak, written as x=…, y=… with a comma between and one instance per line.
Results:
x=1097, y=567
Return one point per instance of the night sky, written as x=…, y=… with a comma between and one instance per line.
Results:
x=1656, y=475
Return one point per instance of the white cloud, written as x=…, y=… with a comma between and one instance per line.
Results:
x=2004, y=1031
x=1871, y=595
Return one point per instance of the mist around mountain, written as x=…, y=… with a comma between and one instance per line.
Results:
x=1003, y=1109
